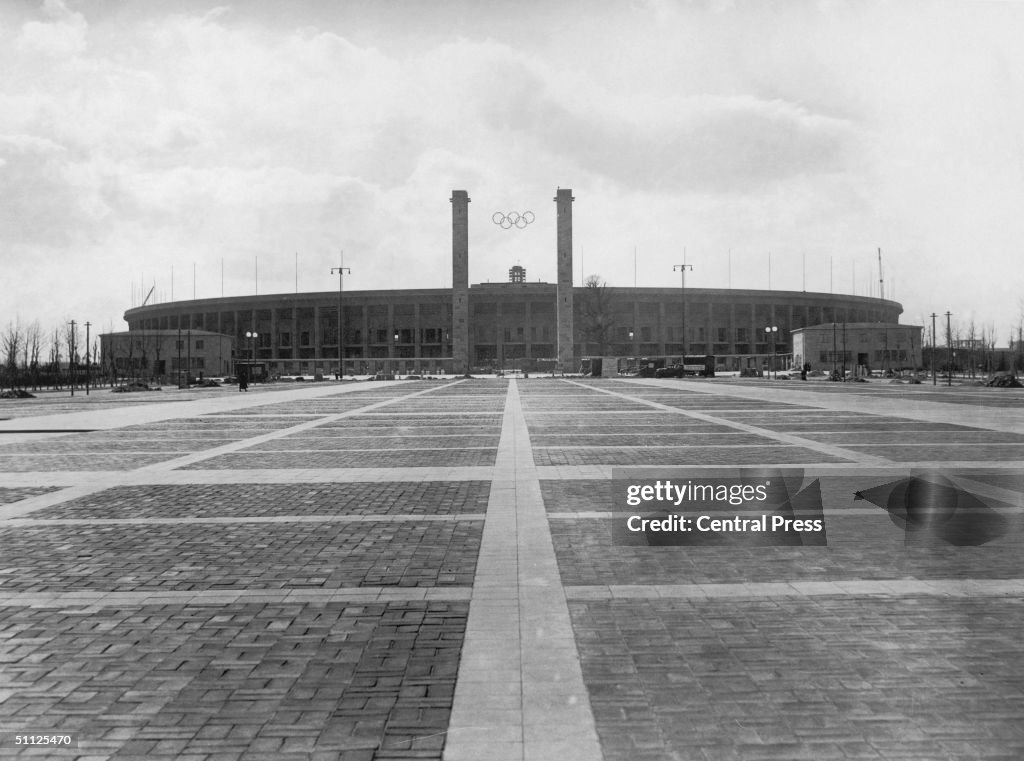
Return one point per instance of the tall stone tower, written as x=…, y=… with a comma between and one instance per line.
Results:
x=460, y=281
x=563, y=289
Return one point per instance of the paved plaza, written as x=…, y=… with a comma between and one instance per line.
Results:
x=428, y=570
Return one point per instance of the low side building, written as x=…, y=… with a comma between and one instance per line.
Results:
x=165, y=354
x=861, y=347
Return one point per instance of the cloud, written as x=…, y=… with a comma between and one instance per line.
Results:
x=254, y=131
x=63, y=36
x=700, y=143
x=22, y=144
x=38, y=203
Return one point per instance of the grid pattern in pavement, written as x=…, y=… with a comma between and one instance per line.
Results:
x=426, y=571
x=221, y=618
x=864, y=649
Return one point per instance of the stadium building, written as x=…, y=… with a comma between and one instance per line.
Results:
x=514, y=324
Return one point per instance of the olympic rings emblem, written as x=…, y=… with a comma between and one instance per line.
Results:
x=513, y=219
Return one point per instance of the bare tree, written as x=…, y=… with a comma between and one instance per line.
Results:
x=74, y=352
x=12, y=340
x=971, y=340
x=33, y=348
x=595, y=308
x=55, y=358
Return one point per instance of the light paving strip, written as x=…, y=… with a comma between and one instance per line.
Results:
x=644, y=447
x=619, y=515
x=384, y=452
x=21, y=522
x=783, y=438
x=520, y=693
x=591, y=472
x=766, y=590
x=90, y=601
x=72, y=478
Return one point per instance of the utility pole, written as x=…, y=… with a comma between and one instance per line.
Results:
x=933, y=349
x=881, y=281
x=885, y=349
x=71, y=357
x=949, y=350
x=835, y=351
x=88, y=348
x=844, y=350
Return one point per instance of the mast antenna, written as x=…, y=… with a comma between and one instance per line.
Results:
x=881, y=280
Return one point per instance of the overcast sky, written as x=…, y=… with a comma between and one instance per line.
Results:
x=140, y=136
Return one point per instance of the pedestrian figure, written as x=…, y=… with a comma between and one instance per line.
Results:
x=243, y=380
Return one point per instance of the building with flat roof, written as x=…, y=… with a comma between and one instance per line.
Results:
x=166, y=354
x=514, y=324
x=863, y=347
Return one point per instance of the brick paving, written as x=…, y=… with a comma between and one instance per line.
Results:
x=740, y=454
x=239, y=680
x=914, y=678
x=249, y=500
x=309, y=443
x=427, y=570
x=32, y=463
x=11, y=494
x=875, y=665
x=112, y=445
x=43, y=558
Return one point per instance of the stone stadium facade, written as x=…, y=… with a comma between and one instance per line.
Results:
x=515, y=324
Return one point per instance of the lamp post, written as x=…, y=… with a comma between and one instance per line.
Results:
x=835, y=351
x=885, y=353
x=87, y=357
x=251, y=335
x=844, y=351
x=770, y=332
x=682, y=301
x=341, y=340
x=395, y=366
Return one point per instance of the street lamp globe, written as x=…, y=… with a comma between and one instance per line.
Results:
x=770, y=331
